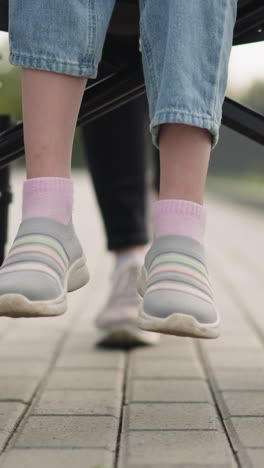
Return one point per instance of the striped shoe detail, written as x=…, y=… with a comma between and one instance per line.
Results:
x=45, y=240
x=180, y=287
x=37, y=253
x=27, y=266
x=179, y=269
x=183, y=273
x=39, y=250
x=181, y=259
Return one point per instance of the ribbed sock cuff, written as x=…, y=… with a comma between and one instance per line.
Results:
x=179, y=217
x=50, y=197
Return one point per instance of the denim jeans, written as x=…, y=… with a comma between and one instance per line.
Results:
x=185, y=50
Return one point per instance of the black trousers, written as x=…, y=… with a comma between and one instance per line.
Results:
x=117, y=150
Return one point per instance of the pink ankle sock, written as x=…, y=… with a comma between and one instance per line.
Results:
x=49, y=197
x=179, y=217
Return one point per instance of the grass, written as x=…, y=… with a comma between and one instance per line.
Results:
x=247, y=188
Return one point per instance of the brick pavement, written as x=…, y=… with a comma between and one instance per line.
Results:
x=185, y=403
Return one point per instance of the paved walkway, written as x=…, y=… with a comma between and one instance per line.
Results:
x=65, y=404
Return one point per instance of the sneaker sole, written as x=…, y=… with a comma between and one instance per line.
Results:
x=179, y=325
x=126, y=335
x=18, y=306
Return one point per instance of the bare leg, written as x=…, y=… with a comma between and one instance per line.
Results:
x=184, y=158
x=51, y=103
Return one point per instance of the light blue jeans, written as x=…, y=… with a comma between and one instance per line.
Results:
x=185, y=50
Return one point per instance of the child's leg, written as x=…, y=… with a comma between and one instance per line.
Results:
x=51, y=103
x=186, y=47
x=185, y=152
x=58, y=45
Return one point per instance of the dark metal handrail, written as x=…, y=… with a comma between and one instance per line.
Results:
x=243, y=120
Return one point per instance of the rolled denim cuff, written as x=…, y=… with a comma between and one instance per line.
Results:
x=52, y=65
x=186, y=118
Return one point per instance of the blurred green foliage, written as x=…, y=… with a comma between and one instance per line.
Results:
x=10, y=93
x=253, y=96
x=10, y=90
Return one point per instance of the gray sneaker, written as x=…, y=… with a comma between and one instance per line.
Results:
x=44, y=263
x=117, y=321
x=177, y=293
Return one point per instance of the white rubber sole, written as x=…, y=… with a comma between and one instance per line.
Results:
x=17, y=306
x=176, y=324
x=125, y=335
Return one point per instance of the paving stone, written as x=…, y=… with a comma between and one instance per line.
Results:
x=18, y=388
x=244, y=403
x=23, y=368
x=250, y=431
x=162, y=369
x=174, y=339
x=228, y=342
x=4, y=324
x=179, y=347
x=237, y=359
x=10, y=413
x=161, y=448
x=33, y=336
x=26, y=351
x=81, y=342
x=79, y=402
x=256, y=457
x=83, y=379
x=81, y=458
x=91, y=359
x=240, y=379
x=69, y=432
x=168, y=391
x=170, y=416
x=42, y=325
x=180, y=465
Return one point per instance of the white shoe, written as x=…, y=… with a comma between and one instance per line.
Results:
x=117, y=321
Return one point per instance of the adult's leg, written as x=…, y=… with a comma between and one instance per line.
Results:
x=116, y=149
x=116, y=153
x=186, y=47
